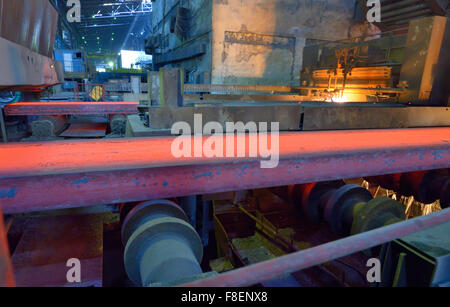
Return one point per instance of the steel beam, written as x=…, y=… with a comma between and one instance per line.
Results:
x=256, y=273
x=43, y=176
x=75, y=108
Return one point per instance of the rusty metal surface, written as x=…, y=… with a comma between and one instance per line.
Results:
x=84, y=173
x=41, y=256
x=396, y=13
x=266, y=270
x=24, y=70
x=342, y=118
x=73, y=108
x=6, y=273
x=31, y=24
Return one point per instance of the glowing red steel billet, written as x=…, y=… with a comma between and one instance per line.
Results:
x=41, y=176
x=76, y=108
x=256, y=273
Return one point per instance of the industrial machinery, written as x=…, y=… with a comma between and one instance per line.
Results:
x=393, y=79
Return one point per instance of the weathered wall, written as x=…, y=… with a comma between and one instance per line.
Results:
x=200, y=30
x=261, y=41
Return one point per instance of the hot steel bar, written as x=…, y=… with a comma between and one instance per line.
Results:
x=41, y=176
x=256, y=273
x=76, y=108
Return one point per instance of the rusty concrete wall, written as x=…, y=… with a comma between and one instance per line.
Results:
x=261, y=41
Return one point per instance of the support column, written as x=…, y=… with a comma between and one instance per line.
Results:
x=172, y=84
